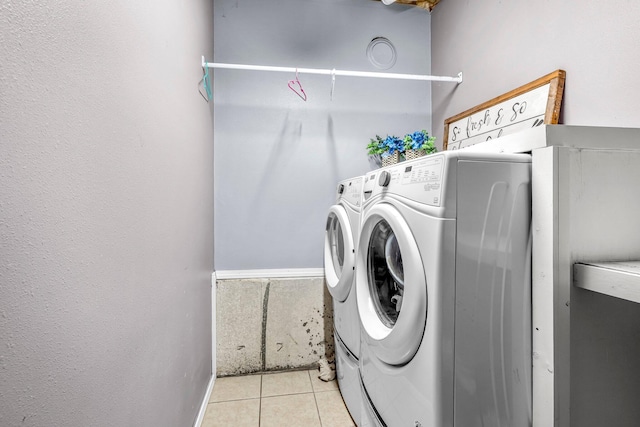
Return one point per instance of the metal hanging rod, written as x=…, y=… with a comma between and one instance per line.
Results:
x=334, y=72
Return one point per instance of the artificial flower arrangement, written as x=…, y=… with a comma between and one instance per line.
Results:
x=385, y=147
x=420, y=141
x=391, y=149
x=418, y=144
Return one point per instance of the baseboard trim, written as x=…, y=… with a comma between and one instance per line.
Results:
x=269, y=274
x=205, y=402
x=214, y=339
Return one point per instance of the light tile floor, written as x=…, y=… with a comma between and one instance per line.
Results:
x=296, y=398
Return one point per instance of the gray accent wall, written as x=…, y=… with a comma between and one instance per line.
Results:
x=501, y=45
x=278, y=159
x=106, y=207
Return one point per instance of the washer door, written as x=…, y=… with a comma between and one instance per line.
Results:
x=391, y=287
x=339, y=253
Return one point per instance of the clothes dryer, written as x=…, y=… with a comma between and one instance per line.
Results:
x=443, y=291
x=340, y=248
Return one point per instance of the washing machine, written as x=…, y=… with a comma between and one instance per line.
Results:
x=340, y=249
x=443, y=286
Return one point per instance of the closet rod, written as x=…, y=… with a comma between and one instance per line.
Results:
x=456, y=79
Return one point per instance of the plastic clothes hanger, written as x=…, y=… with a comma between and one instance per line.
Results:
x=206, y=83
x=296, y=87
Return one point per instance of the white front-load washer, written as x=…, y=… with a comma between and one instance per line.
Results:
x=340, y=247
x=443, y=289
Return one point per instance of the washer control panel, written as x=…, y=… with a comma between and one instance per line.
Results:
x=419, y=180
x=370, y=184
x=384, y=179
x=422, y=180
x=428, y=171
x=351, y=191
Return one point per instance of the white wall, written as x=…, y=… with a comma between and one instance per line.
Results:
x=278, y=158
x=501, y=45
x=106, y=235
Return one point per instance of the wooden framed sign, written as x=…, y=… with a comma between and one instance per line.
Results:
x=531, y=105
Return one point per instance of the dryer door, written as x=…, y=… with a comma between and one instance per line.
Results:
x=339, y=253
x=390, y=286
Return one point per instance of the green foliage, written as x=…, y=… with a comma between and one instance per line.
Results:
x=376, y=146
x=428, y=146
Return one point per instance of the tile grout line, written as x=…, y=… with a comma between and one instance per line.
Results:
x=315, y=399
x=234, y=400
x=261, y=398
x=286, y=394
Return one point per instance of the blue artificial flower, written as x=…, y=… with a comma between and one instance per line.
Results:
x=418, y=139
x=393, y=144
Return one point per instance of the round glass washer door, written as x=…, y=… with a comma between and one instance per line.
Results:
x=391, y=286
x=339, y=253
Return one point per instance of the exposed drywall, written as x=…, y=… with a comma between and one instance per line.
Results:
x=272, y=324
x=278, y=158
x=106, y=235
x=501, y=45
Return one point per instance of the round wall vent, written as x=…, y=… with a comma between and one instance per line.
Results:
x=382, y=53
